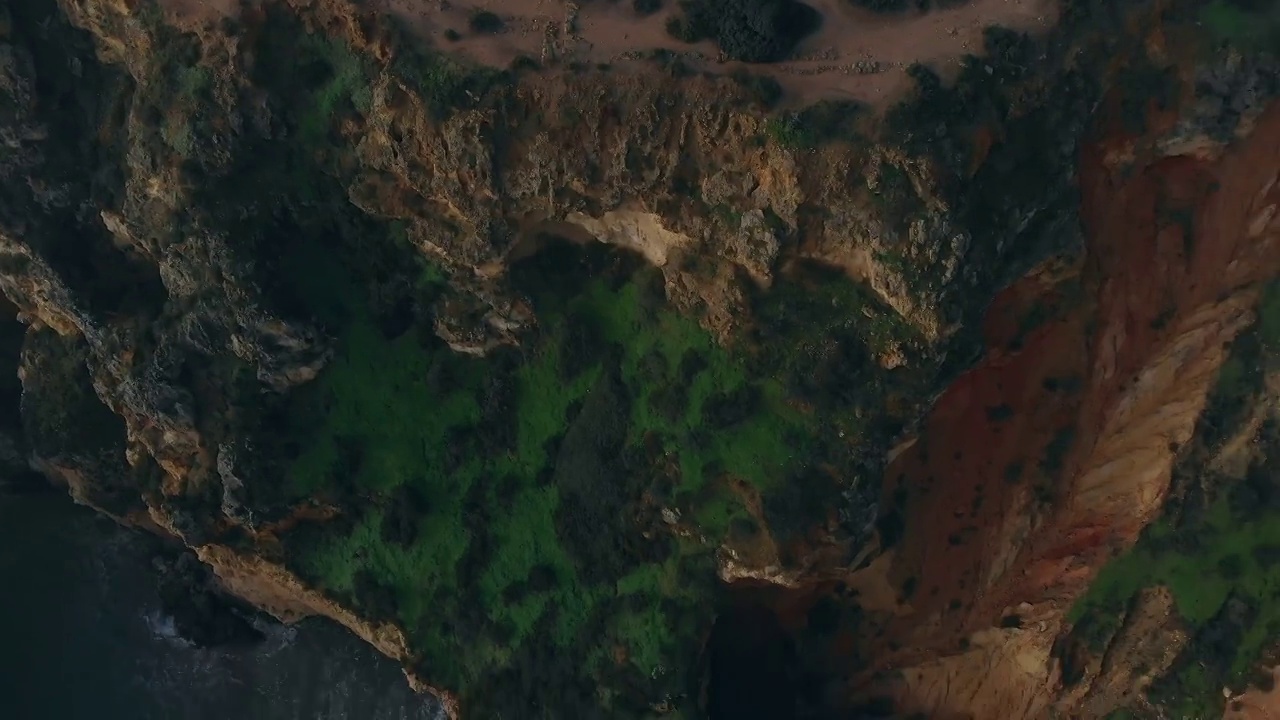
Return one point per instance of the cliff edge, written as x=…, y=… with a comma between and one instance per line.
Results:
x=625, y=360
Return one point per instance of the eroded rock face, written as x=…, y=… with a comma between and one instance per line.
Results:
x=309, y=314
x=73, y=438
x=1072, y=435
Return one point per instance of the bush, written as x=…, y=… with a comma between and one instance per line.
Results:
x=789, y=132
x=832, y=119
x=646, y=7
x=484, y=21
x=681, y=30
x=766, y=90
x=524, y=62
x=748, y=30
x=887, y=6
x=444, y=84
x=825, y=121
x=893, y=6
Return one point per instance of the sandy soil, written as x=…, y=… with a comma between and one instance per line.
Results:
x=1256, y=704
x=978, y=537
x=855, y=55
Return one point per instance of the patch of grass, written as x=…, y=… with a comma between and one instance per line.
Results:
x=1219, y=562
x=828, y=305
x=646, y=635
x=790, y=132
x=508, y=507
x=194, y=81
x=646, y=7
x=443, y=83
x=340, y=80
x=1193, y=569
x=402, y=418
x=1229, y=551
x=1249, y=24
x=658, y=349
x=747, y=30
x=177, y=134
x=728, y=215
x=1269, y=317
x=387, y=427
x=1203, y=565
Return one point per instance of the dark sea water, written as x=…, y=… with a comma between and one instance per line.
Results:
x=82, y=636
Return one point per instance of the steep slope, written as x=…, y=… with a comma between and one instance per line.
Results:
x=551, y=382
x=1070, y=439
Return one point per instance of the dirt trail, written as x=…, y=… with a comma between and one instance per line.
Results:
x=855, y=55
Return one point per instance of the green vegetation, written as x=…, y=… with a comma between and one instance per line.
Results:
x=338, y=81
x=897, y=6
x=822, y=122
x=1198, y=564
x=317, y=82
x=181, y=98
x=500, y=506
x=1248, y=24
x=321, y=79
x=757, y=31
x=646, y=7
x=763, y=89
x=1269, y=318
x=193, y=82
x=790, y=132
x=444, y=83
x=543, y=521
x=825, y=307
x=1220, y=559
x=485, y=22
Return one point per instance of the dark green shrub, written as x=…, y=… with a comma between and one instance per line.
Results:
x=893, y=6
x=524, y=62
x=485, y=22
x=766, y=90
x=886, y=6
x=749, y=30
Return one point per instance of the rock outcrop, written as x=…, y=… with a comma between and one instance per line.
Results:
x=1013, y=517
x=495, y=367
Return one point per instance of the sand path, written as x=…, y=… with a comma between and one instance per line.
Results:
x=856, y=55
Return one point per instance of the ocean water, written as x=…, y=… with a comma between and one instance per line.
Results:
x=82, y=635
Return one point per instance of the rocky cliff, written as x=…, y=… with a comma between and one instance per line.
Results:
x=590, y=389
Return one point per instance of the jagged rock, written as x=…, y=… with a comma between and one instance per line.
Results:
x=169, y=340
x=201, y=614
x=1229, y=95
x=74, y=439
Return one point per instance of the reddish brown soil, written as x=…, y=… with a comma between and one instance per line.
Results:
x=1256, y=704
x=1118, y=376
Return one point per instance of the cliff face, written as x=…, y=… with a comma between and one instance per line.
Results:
x=502, y=367
x=1069, y=440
